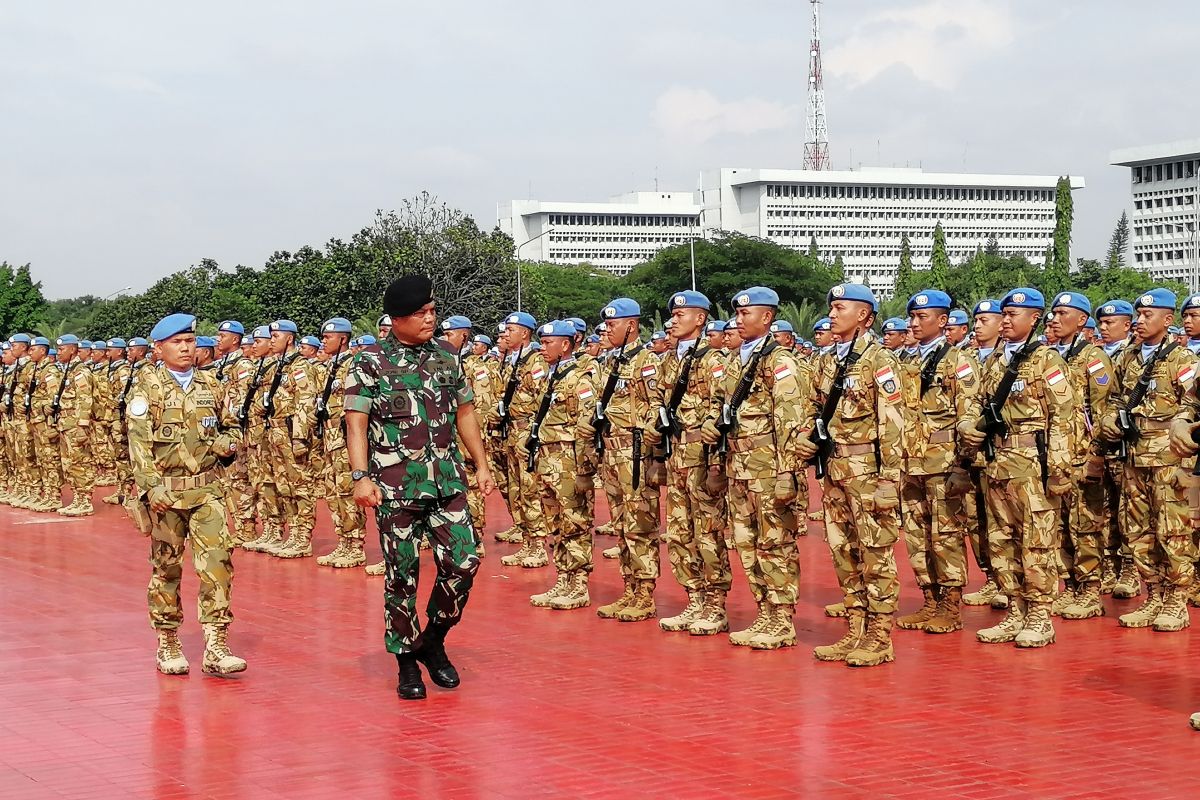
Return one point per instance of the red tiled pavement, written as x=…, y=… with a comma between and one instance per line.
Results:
x=554, y=704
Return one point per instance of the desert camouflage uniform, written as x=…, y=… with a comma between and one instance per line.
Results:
x=17, y=437
x=234, y=372
x=101, y=428
x=45, y=434
x=480, y=379
x=524, y=490
x=975, y=506
x=411, y=395
x=1125, y=580
x=121, y=377
x=76, y=406
x=289, y=403
x=259, y=466
x=349, y=522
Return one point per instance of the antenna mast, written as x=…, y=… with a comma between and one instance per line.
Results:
x=816, y=140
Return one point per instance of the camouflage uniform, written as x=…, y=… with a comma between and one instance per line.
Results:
x=17, y=437
x=761, y=457
x=289, y=404
x=412, y=395
x=524, y=490
x=1023, y=522
x=861, y=518
x=937, y=489
x=259, y=466
x=975, y=511
x=481, y=379
x=45, y=434
x=1158, y=491
x=101, y=428
x=349, y=522
x=629, y=410
x=234, y=371
x=74, y=422
x=696, y=518
x=121, y=377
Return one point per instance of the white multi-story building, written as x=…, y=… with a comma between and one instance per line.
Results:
x=616, y=235
x=1164, y=220
x=862, y=215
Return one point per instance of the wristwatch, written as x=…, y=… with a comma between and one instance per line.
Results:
x=358, y=475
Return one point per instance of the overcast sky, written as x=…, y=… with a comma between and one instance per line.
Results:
x=140, y=137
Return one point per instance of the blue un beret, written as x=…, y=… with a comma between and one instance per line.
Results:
x=658, y=336
x=1023, y=297
x=456, y=323
x=52, y=352
x=716, y=326
x=854, y=291
x=987, y=307
x=929, y=298
x=756, y=296
x=580, y=325
x=262, y=332
x=206, y=341
x=337, y=325
x=117, y=342
x=366, y=340
x=232, y=326
x=1074, y=300
x=1191, y=301
x=483, y=340
x=172, y=324
x=1156, y=298
x=621, y=308
x=247, y=340
x=284, y=326
x=731, y=324
x=1175, y=330
x=823, y=324
x=67, y=338
x=1115, y=308
x=522, y=319
x=895, y=325
x=1090, y=325
x=310, y=340
x=559, y=327
x=782, y=326
x=689, y=299
x=85, y=345
x=21, y=338
x=958, y=317
x=593, y=339
x=41, y=340
x=139, y=341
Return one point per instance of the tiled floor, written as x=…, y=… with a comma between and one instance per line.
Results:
x=554, y=704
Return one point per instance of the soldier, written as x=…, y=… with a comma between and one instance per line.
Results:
x=985, y=337
x=956, y=328
x=44, y=429
x=659, y=343
x=523, y=372
x=406, y=439
x=556, y=454
x=861, y=481
x=941, y=385
x=593, y=347
x=71, y=414
x=1114, y=321
x=102, y=409
x=785, y=335
x=733, y=338
x=455, y=331
x=626, y=432
x=696, y=516
x=8, y=476
x=1090, y=374
x=205, y=351
x=494, y=442
x=309, y=345
x=895, y=330
x=17, y=434
x=384, y=326
x=1031, y=466
x=260, y=465
x=1157, y=503
x=177, y=423
x=823, y=336
x=234, y=370
x=714, y=334
x=1191, y=323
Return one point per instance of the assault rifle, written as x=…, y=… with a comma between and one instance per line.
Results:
x=991, y=422
x=820, y=432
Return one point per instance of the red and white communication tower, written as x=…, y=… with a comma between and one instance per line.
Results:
x=816, y=137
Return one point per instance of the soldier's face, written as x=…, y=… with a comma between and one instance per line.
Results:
x=333, y=342
x=987, y=328
x=204, y=356
x=1066, y=322
x=178, y=352
x=593, y=349
x=733, y=338
x=687, y=322
x=785, y=339
x=620, y=332
x=822, y=338
x=928, y=323
x=19, y=349
x=384, y=330
x=894, y=340
x=1191, y=322
x=555, y=348
x=38, y=352
x=261, y=347
x=418, y=327
x=956, y=333
x=456, y=338
x=280, y=342
x=67, y=352
x=307, y=350
x=228, y=342
x=115, y=353
x=716, y=340
x=479, y=348
x=847, y=316
x=9, y=358
x=1017, y=323
x=1152, y=323
x=754, y=321
x=137, y=352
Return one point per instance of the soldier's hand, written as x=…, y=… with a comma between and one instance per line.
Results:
x=1059, y=485
x=785, y=488
x=969, y=434
x=887, y=497
x=958, y=484
x=1182, y=443
x=1109, y=429
x=299, y=448
x=584, y=483
x=483, y=476
x=159, y=499
x=586, y=431
x=368, y=495
x=651, y=435
x=709, y=433
x=806, y=448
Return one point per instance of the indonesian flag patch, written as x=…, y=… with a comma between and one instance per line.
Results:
x=649, y=371
x=964, y=370
x=886, y=379
x=1054, y=378
x=783, y=371
x=718, y=371
x=585, y=393
x=1094, y=366
x=538, y=373
x=1186, y=374
x=481, y=375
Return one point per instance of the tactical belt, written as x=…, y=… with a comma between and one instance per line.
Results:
x=1017, y=440
x=745, y=444
x=941, y=437
x=844, y=450
x=554, y=447
x=1154, y=425
x=190, y=482
x=619, y=441
x=691, y=437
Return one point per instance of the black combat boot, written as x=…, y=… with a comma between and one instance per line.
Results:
x=432, y=654
x=410, y=687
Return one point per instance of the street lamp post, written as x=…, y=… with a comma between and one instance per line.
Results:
x=518, y=260
x=117, y=292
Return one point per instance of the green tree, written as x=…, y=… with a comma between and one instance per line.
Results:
x=813, y=250
x=555, y=292
x=906, y=277
x=1118, y=244
x=939, y=262
x=22, y=307
x=1058, y=269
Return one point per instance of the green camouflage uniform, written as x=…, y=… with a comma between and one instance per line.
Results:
x=412, y=395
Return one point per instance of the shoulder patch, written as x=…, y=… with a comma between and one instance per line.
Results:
x=138, y=406
x=783, y=371
x=585, y=392
x=964, y=370
x=1094, y=366
x=1186, y=373
x=538, y=373
x=718, y=370
x=885, y=378
x=1054, y=377
x=649, y=371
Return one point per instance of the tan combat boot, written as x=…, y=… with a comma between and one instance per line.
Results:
x=1193, y=597
x=875, y=647
x=1062, y=600
x=835, y=610
x=1108, y=575
x=1008, y=628
x=543, y=599
x=742, y=638
x=278, y=548
x=857, y=619
x=1038, y=630
x=300, y=547
x=611, y=552
x=712, y=618
x=338, y=551
x=576, y=594
x=170, y=658
x=606, y=530
x=84, y=508
x=1087, y=603
x=376, y=569
x=984, y=596
x=1144, y=615
x=610, y=611
x=271, y=536
x=217, y=658
x=348, y=553
x=51, y=501
x=512, y=535
x=683, y=619
x=114, y=499
x=641, y=607
x=918, y=619
x=778, y=631
x=947, y=618
x=515, y=559
x=1173, y=616
x=1129, y=583
x=537, y=555
x=68, y=510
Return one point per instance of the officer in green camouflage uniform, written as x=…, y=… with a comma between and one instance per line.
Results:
x=567, y=401
x=1090, y=373
x=861, y=492
x=177, y=422
x=941, y=384
x=1159, y=488
x=1032, y=468
x=407, y=406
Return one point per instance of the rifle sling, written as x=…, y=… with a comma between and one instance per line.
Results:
x=1004, y=388
x=614, y=375
x=61, y=386
x=548, y=397
x=1143, y=385
x=685, y=373
x=746, y=383
x=838, y=387
x=930, y=367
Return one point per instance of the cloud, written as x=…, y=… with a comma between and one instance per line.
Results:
x=694, y=116
x=937, y=40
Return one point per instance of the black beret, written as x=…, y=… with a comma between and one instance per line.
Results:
x=407, y=294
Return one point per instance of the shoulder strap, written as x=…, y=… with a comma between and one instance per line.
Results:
x=930, y=368
x=685, y=372
x=746, y=384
